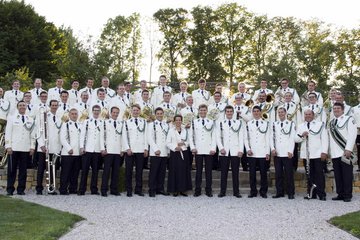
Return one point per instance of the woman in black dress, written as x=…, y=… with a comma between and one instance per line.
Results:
x=179, y=177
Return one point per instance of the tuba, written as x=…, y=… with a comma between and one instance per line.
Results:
x=249, y=103
x=3, y=152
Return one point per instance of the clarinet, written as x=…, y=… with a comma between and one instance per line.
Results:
x=310, y=186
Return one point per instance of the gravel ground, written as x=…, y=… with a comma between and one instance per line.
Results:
x=200, y=218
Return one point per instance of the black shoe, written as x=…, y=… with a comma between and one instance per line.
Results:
x=245, y=169
x=104, y=194
x=291, y=197
x=175, y=194
x=197, y=194
x=80, y=193
x=66, y=193
x=209, y=194
x=162, y=193
x=337, y=198
x=39, y=193
x=129, y=194
x=72, y=192
x=322, y=198
x=152, y=194
x=95, y=193
x=278, y=196
x=9, y=194
x=183, y=194
x=237, y=195
x=252, y=195
x=115, y=193
x=221, y=195
x=20, y=193
x=358, y=170
x=53, y=193
x=140, y=194
x=263, y=195
x=347, y=199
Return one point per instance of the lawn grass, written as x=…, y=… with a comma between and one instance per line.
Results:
x=24, y=220
x=349, y=222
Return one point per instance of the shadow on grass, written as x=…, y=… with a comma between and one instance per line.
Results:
x=24, y=220
x=349, y=222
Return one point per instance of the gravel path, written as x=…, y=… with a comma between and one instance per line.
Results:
x=200, y=218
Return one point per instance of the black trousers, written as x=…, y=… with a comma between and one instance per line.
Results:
x=295, y=158
x=343, y=178
x=216, y=162
x=191, y=157
x=225, y=164
x=70, y=168
x=244, y=161
x=263, y=175
x=17, y=160
x=112, y=164
x=41, y=169
x=317, y=176
x=136, y=159
x=284, y=170
x=358, y=150
x=157, y=174
x=89, y=159
x=199, y=160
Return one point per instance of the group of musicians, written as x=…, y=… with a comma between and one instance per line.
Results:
x=103, y=128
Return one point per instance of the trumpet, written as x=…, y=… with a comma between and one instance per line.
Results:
x=3, y=152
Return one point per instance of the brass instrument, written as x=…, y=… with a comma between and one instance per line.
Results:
x=169, y=115
x=65, y=117
x=127, y=113
x=270, y=98
x=50, y=172
x=188, y=118
x=304, y=99
x=3, y=152
x=213, y=114
x=147, y=114
x=290, y=117
x=310, y=186
x=249, y=103
x=84, y=115
x=279, y=95
x=104, y=114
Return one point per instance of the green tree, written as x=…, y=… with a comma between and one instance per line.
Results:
x=204, y=58
x=173, y=25
x=25, y=40
x=118, y=49
x=235, y=24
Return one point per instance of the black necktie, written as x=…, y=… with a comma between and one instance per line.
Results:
x=202, y=92
x=191, y=109
x=136, y=121
x=85, y=105
x=64, y=106
x=23, y=118
x=59, y=91
x=203, y=122
x=15, y=92
x=95, y=122
x=105, y=90
x=281, y=125
x=160, y=124
x=287, y=107
x=128, y=96
x=257, y=123
x=312, y=107
x=115, y=124
x=75, y=93
x=76, y=125
x=217, y=105
x=102, y=103
x=54, y=118
x=229, y=123
x=163, y=88
x=90, y=90
x=168, y=106
x=37, y=92
x=242, y=96
x=335, y=123
x=308, y=125
x=182, y=94
x=29, y=107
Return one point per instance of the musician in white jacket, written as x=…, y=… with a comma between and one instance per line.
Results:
x=230, y=135
x=257, y=144
x=4, y=107
x=315, y=150
x=136, y=149
x=111, y=150
x=53, y=146
x=19, y=144
x=157, y=95
x=201, y=95
x=203, y=145
x=70, y=154
x=13, y=97
x=282, y=142
x=156, y=136
x=90, y=151
x=342, y=140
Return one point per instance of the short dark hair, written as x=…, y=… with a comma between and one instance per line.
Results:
x=203, y=106
x=256, y=107
x=201, y=80
x=64, y=91
x=43, y=92
x=218, y=93
x=53, y=100
x=100, y=90
x=21, y=101
x=178, y=116
x=114, y=107
x=94, y=107
x=340, y=105
x=229, y=107
x=159, y=109
x=162, y=76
